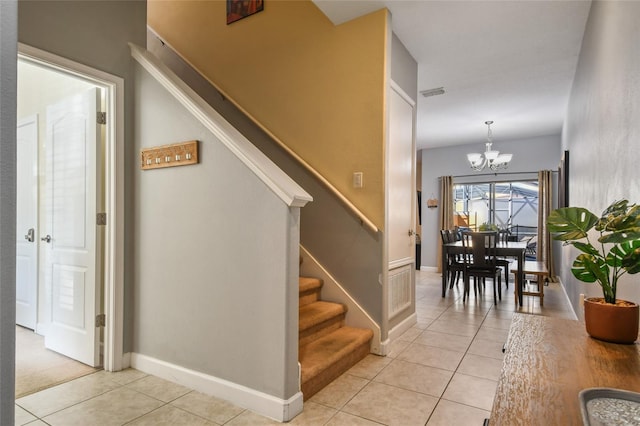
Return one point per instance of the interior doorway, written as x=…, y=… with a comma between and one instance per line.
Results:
x=73, y=296
x=38, y=368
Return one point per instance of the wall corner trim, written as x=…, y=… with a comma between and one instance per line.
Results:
x=282, y=185
x=266, y=405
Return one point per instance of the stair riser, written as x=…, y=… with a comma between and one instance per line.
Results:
x=308, y=297
x=320, y=330
x=316, y=383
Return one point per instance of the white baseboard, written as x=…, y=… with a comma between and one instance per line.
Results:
x=242, y=396
x=566, y=297
x=406, y=324
x=429, y=268
x=396, y=332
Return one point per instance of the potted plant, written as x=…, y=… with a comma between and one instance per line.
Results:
x=616, y=253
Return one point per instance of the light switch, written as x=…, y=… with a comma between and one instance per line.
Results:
x=357, y=180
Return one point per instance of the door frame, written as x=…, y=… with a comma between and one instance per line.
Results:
x=113, y=250
x=390, y=333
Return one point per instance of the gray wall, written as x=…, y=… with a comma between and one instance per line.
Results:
x=8, y=36
x=95, y=33
x=213, y=290
x=327, y=229
x=529, y=155
x=602, y=128
x=404, y=69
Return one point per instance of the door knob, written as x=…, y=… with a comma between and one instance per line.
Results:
x=46, y=238
x=30, y=235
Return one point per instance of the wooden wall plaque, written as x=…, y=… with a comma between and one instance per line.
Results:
x=173, y=155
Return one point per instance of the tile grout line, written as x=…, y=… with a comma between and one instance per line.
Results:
x=459, y=363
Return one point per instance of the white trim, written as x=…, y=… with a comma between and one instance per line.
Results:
x=42, y=328
x=401, y=262
x=566, y=297
x=126, y=360
x=403, y=326
x=429, y=268
x=256, y=401
x=282, y=185
x=114, y=194
x=332, y=291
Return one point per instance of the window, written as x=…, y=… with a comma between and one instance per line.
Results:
x=508, y=205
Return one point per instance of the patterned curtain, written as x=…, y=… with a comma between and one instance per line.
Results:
x=545, y=204
x=446, y=211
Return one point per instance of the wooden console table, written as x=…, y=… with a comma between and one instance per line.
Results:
x=547, y=362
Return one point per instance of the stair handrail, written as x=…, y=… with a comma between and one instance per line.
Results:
x=364, y=220
x=275, y=179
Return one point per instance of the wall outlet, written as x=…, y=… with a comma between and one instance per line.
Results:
x=581, y=299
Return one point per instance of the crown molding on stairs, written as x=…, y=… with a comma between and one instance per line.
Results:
x=242, y=396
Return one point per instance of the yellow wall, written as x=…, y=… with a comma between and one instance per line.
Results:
x=316, y=87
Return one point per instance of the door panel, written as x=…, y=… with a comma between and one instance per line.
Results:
x=72, y=267
x=401, y=185
x=26, y=222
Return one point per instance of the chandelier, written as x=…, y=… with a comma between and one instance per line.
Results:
x=490, y=158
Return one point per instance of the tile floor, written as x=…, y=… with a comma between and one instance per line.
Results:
x=442, y=371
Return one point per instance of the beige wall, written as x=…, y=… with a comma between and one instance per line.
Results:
x=316, y=87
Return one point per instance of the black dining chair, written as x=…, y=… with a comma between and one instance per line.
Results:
x=503, y=238
x=480, y=261
x=455, y=265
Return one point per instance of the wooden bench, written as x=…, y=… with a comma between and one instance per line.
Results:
x=532, y=267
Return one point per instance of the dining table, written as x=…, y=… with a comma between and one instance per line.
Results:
x=514, y=249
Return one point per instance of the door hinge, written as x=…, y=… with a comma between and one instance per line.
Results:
x=101, y=320
x=101, y=117
x=101, y=219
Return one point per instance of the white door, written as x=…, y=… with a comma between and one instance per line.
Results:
x=27, y=222
x=70, y=238
x=401, y=190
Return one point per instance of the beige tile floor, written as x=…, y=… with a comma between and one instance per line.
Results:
x=442, y=371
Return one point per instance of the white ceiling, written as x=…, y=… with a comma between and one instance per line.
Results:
x=508, y=61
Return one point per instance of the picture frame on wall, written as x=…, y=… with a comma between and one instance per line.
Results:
x=239, y=9
x=563, y=180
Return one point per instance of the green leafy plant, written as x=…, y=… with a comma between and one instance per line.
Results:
x=618, y=248
x=486, y=226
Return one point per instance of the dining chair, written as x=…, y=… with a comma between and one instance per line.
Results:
x=480, y=261
x=503, y=238
x=455, y=265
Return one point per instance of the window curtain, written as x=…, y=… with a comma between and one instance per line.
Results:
x=545, y=204
x=446, y=211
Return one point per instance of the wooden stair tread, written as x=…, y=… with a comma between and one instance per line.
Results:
x=321, y=354
x=317, y=312
x=308, y=284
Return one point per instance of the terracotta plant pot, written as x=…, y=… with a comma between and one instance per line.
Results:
x=612, y=323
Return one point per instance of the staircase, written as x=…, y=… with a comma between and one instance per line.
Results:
x=326, y=347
